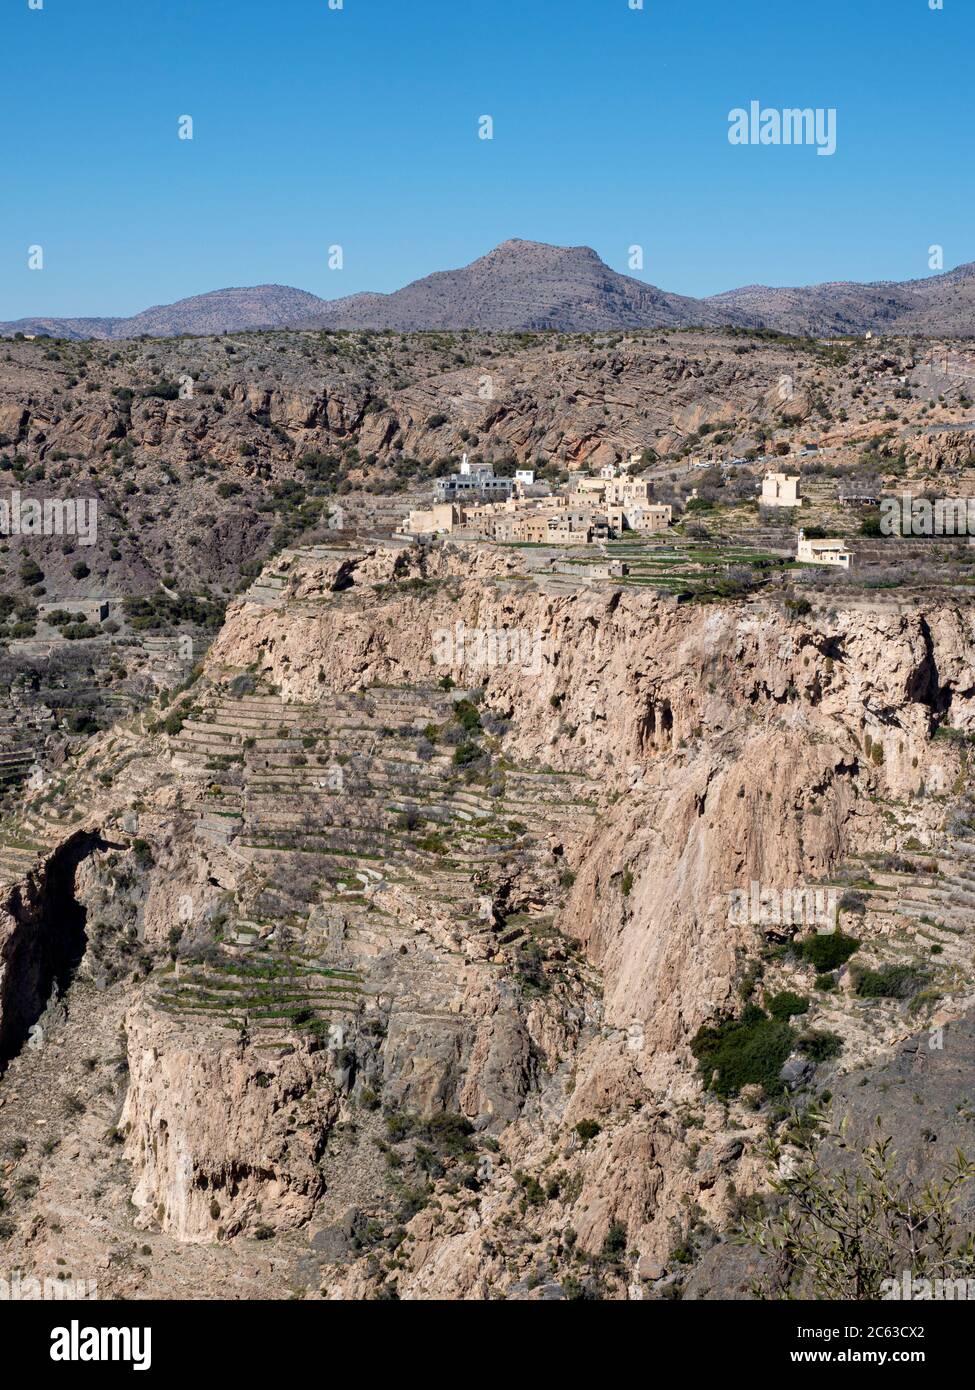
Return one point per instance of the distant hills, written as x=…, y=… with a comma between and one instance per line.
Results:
x=531, y=286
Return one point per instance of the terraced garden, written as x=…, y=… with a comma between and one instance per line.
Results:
x=696, y=571
x=368, y=826
x=266, y=990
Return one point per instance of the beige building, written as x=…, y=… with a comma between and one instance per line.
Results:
x=824, y=552
x=514, y=519
x=649, y=520
x=532, y=528
x=560, y=532
x=591, y=487
x=433, y=520
x=622, y=491
x=780, y=490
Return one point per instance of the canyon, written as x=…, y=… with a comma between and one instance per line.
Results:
x=383, y=979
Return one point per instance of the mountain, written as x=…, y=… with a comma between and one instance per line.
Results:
x=232, y=310
x=531, y=286
x=527, y=285
x=940, y=304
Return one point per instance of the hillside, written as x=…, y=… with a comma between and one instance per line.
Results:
x=526, y=285
x=941, y=304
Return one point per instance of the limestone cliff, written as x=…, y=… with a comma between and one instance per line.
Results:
x=419, y=961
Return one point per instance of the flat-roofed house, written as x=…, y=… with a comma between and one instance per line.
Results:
x=591, y=486
x=649, y=520
x=531, y=528
x=621, y=491
x=830, y=551
x=780, y=490
x=433, y=520
x=859, y=496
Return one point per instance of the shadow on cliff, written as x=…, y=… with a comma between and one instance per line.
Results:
x=45, y=944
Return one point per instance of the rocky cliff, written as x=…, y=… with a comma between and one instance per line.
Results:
x=408, y=937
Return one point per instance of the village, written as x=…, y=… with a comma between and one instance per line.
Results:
x=615, y=505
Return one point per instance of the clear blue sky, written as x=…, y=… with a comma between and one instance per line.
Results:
x=359, y=127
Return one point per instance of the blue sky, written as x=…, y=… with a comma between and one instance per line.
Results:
x=358, y=127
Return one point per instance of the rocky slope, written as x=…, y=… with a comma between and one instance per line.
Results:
x=389, y=982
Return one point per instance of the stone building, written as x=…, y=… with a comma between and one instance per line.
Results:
x=435, y=520
x=780, y=490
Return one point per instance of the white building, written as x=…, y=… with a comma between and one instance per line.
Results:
x=824, y=552
x=780, y=490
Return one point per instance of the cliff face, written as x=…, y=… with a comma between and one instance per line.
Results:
x=220, y=1137
x=437, y=965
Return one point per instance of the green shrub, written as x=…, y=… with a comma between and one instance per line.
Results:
x=433, y=844
x=614, y=1246
x=466, y=715
x=820, y=1045
x=744, y=1051
x=466, y=753
x=534, y=1192
x=783, y=1006
x=890, y=982
x=143, y=853
x=827, y=950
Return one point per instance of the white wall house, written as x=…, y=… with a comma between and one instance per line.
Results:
x=824, y=552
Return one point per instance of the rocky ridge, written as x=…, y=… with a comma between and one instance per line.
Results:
x=529, y=286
